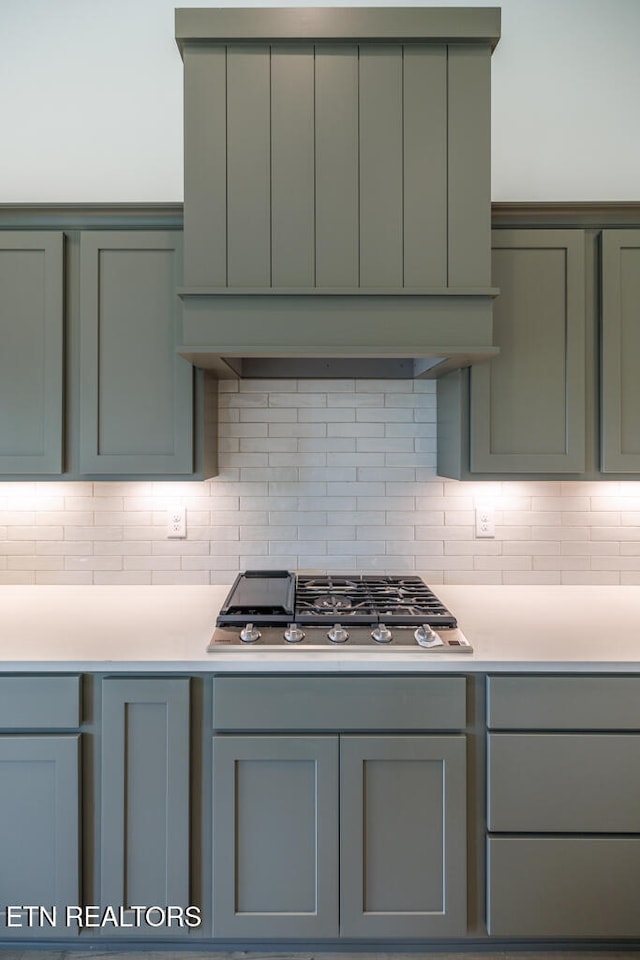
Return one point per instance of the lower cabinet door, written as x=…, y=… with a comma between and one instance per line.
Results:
x=144, y=839
x=403, y=836
x=39, y=845
x=275, y=836
x=563, y=886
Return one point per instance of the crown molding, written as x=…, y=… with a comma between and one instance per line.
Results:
x=596, y=215
x=76, y=216
x=169, y=216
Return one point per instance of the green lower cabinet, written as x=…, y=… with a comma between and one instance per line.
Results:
x=144, y=833
x=403, y=841
x=39, y=835
x=563, y=850
x=275, y=837
x=320, y=837
x=563, y=886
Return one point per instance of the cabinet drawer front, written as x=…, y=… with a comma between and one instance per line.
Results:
x=563, y=703
x=339, y=703
x=564, y=783
x=563, y=886
x=39, y=703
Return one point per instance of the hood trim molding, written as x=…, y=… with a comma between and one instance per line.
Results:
x=426, y=335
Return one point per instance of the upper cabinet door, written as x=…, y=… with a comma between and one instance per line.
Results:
x=620, y=444
x=527, y=411
x=135, y=392
x=31, y=356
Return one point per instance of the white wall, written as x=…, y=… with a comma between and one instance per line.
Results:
x=91, y=99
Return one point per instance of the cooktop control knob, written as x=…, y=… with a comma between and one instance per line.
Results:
x=427, y=637
x=381, y=634
x=250, y=634
x=338, y=634
x=293, y=633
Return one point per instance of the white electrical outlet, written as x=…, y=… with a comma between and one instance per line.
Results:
x=485, y=521
x=176, y=522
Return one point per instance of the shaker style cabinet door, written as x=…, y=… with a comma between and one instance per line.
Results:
x=31, y=352
x=144, y=840
x=135, y=391
x=275, y=836
x=39, y=833
x=620, y=445
x=403, y=847
x=527, y=406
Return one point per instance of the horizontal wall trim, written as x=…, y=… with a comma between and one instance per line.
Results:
x=77, y=216
x=61, y=216
x=566, y=214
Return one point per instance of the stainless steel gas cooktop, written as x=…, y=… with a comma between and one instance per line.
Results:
x=278, y=610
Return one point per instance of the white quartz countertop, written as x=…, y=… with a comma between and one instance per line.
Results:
x=167, y=629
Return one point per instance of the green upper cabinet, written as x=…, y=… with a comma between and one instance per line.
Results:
x=524, y=412
x=31, y=356
x=620, y=409
x=136, y=394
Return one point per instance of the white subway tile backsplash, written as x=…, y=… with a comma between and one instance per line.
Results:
x=357, y=488
x=382, y=414
x=268, y=473
x=182, y=577
x=267, y=532
x=96, y=563
x=356, y=399
x=533, y=548
x=15, y=577
x=298, y=401
x=186, y=548
x=9, y=547
x=325, y=532
x=628, y=548
x=326, y=386
x=385, y=503
x=37, y=532
x=321, y=475
x=585, y=577
x=621, y=533
x=531, y=577
x=67, y=578
x=116, y=548
x=356, y=517
x=34, y=562
x=386, y=532
x=629, y=578
x=299, y=430
x=69, y=548
x=267, y=414
x=121, y=577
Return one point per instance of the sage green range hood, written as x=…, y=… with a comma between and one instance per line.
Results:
x=337, y=190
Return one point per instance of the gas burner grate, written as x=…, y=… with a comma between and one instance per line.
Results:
x=402, y=600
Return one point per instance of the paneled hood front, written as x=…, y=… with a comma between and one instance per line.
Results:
x=337, y=190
